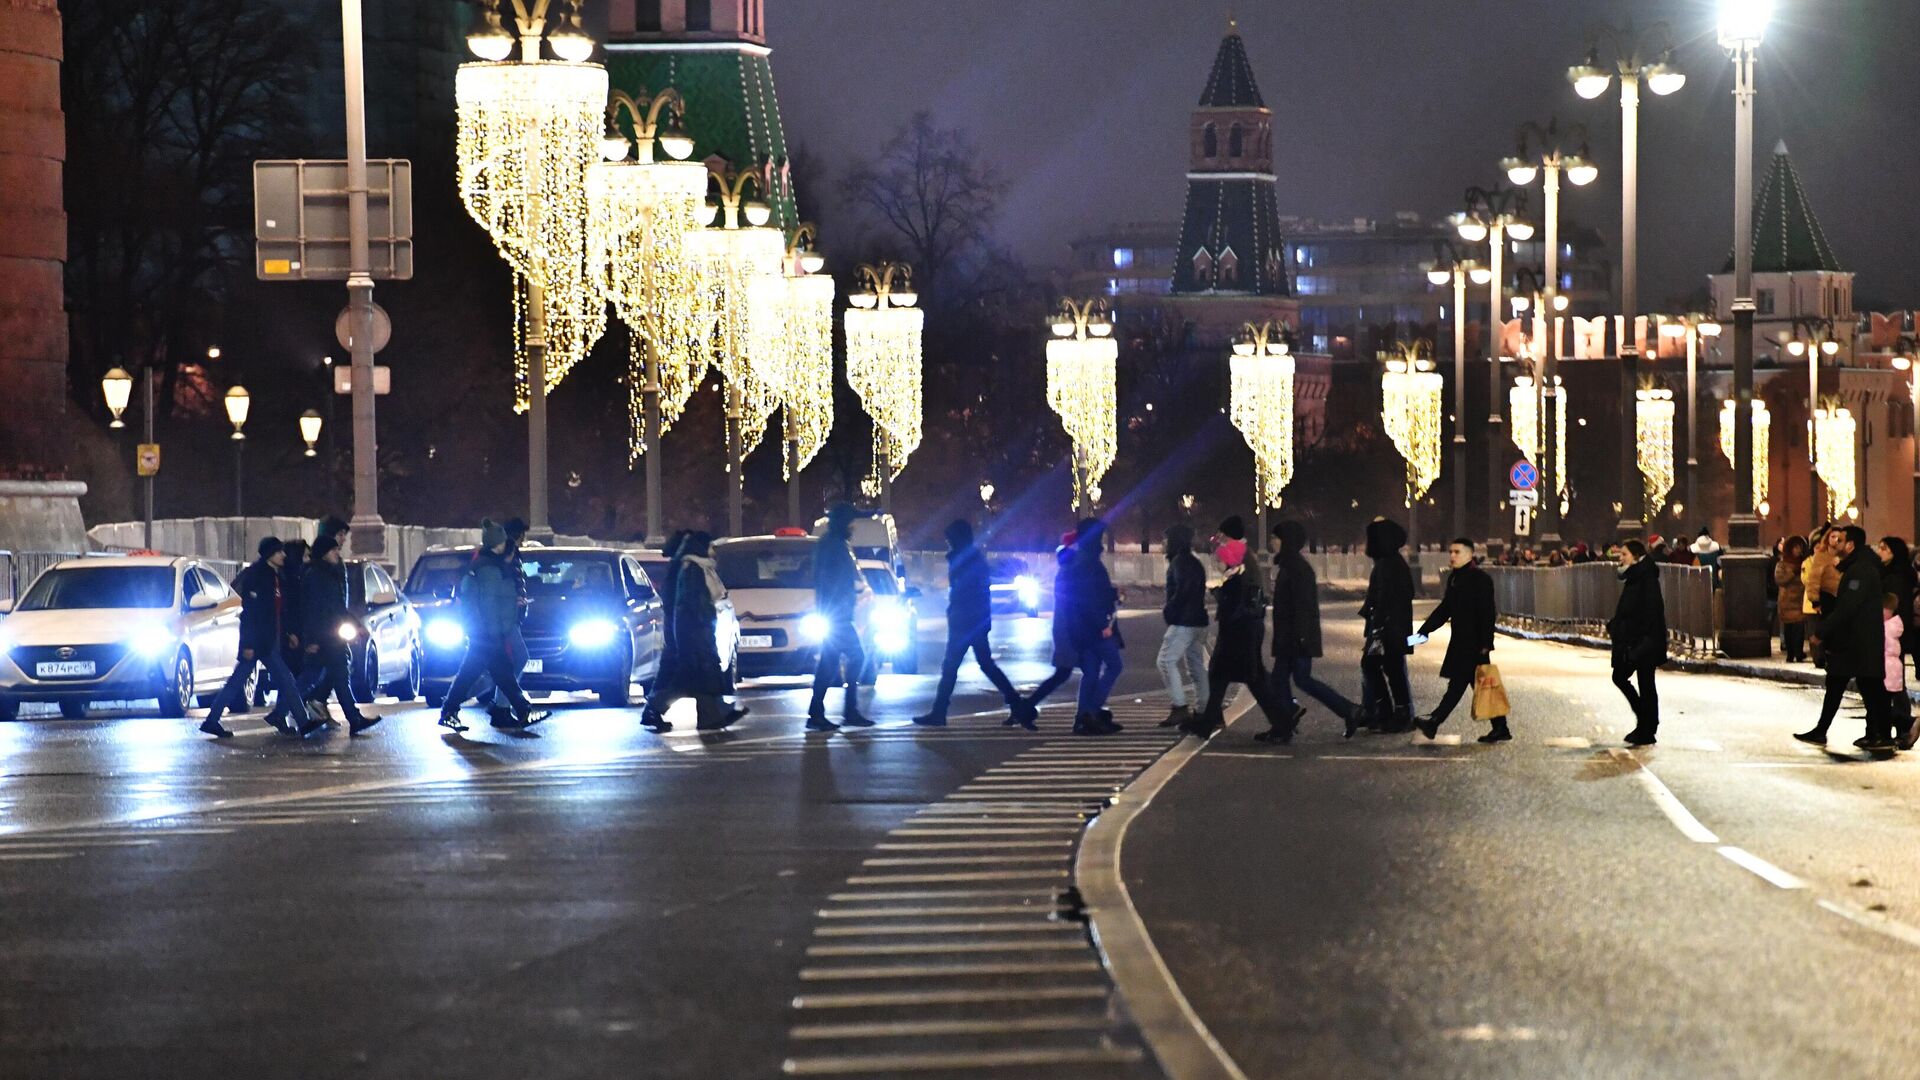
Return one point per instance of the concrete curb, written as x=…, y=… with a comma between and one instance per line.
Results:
x=1175, y=1033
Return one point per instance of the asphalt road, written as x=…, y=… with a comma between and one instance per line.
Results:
x=1713, y=906
x=583, y=900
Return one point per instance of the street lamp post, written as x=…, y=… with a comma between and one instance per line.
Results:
x=1693, y=327
x=1813, y=338
x=1494, y=215
x=238, y=404
x=117, y=387
x=884, y=332
x=1261, y=374
x=1747, y=632
x=310, y=422
x=1080, y=389
x=1459, y=272
x=1542, y=152
x=1630, y=51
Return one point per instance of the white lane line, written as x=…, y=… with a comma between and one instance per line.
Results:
x=1247, y=755
x=954, y=1061
x=928, y=1028
x=1779, y=764
x=35, y=856
x=942, y=909
x=1768, y=872
x=966, y=875
x=949, y=971
x=1676, y=812
x=1010, y=830
x=935, y=894
x=948, y=997
x=42, y=845
x=1393, y=757
x=1874, y=921
x=963, y=860
x=985, y=845
x=924, y=948
x=1570, y=742
x=1023, y=926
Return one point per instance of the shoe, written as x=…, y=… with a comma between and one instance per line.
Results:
x=500, y=717
x=213, y=727
x=358, y=724
x=1299, y=714
x=1025, y=714
x=1498, y=734
x=656, y=723
x=279, y=724
x=818, y=722
x=1354, y=722
x=855, y=718
x=1429, y=727
x=1086, y=724
x=931, y=720
x=451, y=721
x=1639, y=737
x=1862, y=741
x=1107, y=725
x=310, y=726
x=1817, y=737
x=1177, y=716
x=1908, y=737
x=1878, y=744
x=1281, y=735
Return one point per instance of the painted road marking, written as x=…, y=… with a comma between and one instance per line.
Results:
x=897, y=1028
x=949, y=997
x=1025, y=926
x=966, y=875
x=1874, y=921
x=944, y=1062
x=1676, y=812
x=1768, y=872
x=989, y=845
x=35, y=856
x=1570, y=742
x=935, y=894
x=945, y=909
x=950, y=971
x=914, y=948
x=959, y=860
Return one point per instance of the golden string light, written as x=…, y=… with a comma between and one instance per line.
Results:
x=1262, y=373
x=1833, y=440
x=1411, y=393
x=1081, y=362
x=639, y=216
x=1653, y=445
x=744, y=306
x=807, y=407
x=1762, y=431
x=883, y=365
x=527, y=133
x=1523, y=409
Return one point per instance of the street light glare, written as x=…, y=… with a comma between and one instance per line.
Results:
x=1438, y=277
x=491, y=41
x=1743, y=22
x=1481, y=275
x=1663, y=78
x=1521, y=173
x=1520, y=230
x=1589, y=81
x=1472, y=231
x=1583, y=173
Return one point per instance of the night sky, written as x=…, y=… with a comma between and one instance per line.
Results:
x=1380, y=105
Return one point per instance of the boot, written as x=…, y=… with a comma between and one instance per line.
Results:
x=854, y=717
x=932, y=719
x=1087, y=724
x=1817, y=736
x=358, y=724
x=1400, y=722
x=1499, y=733
x=212, y=726
x=1640, y=736
x=1204, y=725
x=817, y=721
x=450, y=719
x=1428, y=726
x=1107, y=725
x=1178, y=716
x=1022, y=712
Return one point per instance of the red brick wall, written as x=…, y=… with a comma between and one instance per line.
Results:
x=33, y=230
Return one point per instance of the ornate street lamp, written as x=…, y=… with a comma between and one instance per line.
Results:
x=1653, y=445
x=238, y=403
x=806, y=407
x=117, y=387
x=1494, y=215
x=1081, y=361
x=1411, y=392
x=883, y=330
x=528, y=131
x=1834, y=430
x=1261, y=406
x=310, y=430
x=1459, y=271
x=1762, y=428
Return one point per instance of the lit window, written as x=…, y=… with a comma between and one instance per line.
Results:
x=1122, y=258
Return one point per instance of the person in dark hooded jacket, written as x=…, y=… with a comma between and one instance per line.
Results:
x=837, y=591
x=1296, y=631
x=661, y=692
x=1089, y=629
x=323, y=607
x=698, y=671
x=1852, y=634
x=1469, y=605
x=1638, y=631
x=262, y=631
x=1239, y=608
x=1388, y=614
x=1063, y=657
x=969, y=618
x=489, y=600
x=1185, y=612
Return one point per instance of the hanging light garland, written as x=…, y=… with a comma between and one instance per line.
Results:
x=1081, y=362
x=1833, y=441
x=1262, y=374
x=1653, y=445
x=807, y=407
x=527, y=132
x=745, y=311
x=883, y=365
x=1762, y=431
x=1523, y=409
x=1411, y=392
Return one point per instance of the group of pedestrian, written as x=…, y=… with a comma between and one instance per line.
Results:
x=1856, y=621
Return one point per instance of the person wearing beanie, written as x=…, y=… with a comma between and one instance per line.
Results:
x=969, y=618
x=1086, y=618
x=328, y=628
x=1240, y=609
x=1296, y=632
x=488, y=598
x=1387, y=703
x=838, y=589
x=262, y=631
x=1185, y=613
x=1063, y=655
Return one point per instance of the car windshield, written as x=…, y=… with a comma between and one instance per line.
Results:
x=85, y=587
x=657, y=569
x=561, y=574
x=883, y=581
x=765, y=566
x=437, y=575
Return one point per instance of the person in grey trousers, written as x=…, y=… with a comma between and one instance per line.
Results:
x=1185, y=611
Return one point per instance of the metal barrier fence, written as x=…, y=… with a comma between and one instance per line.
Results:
x=1581, y=599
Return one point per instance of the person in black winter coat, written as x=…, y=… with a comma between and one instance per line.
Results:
x=1086, y=620
x=324, y=611
x=1638, y=631
x=1468, y=604
x=837, y=588
x=969, y=618
x=1897, y=577
x=1241, y=612
x=1063, y=657
x=1388, y=614
x=1185, y=612
x=1852, y=635
x=1296, y=630
x=661, y=692
x=698, y=672
x=292, y=585
x=263, y=611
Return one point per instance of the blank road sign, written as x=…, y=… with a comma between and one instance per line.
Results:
x=300, y=220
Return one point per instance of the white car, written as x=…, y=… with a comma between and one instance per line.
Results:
x=115, y=629
x=770, y=581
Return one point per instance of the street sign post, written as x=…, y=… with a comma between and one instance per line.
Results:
x=1523, y=475
x=147, y=459
x=1522, y=521
x=1527, y=497
x=300, y=220
x=382, y=328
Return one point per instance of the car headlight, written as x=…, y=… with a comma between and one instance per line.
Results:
x=151, y=641
x=891, y=642
x=814, y=627
x=348, y=631
x=1028, y=590
x=889, y=618
x=446, y=634
x=593, y=633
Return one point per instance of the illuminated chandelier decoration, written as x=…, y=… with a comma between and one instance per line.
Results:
x=883, y=365
x=1081, y=360
x=1262, y=406
x=807, y=406
x=1653, y=445
x=527, y=133
x=1762, y=431
x=1523, y=408
x=1410, y=406
x=745, y=305
x=638, y=217
x=1833, y=441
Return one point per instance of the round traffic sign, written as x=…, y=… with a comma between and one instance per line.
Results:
x=1523, y=475
x=382, y=328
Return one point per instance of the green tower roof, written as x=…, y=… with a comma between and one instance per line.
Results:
x=1786, y=235
x=1231, y=84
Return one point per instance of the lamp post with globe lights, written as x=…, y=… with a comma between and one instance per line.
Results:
x=1692, y=327
x=1262, y=376
x=116, y=386
x=310, y=422
x=1813, y=339
x=238, y=403
x=1459, y=271
x=884, y=356
x=1494, y=215
x=1080, y=388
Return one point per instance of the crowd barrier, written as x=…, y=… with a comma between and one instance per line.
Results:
x=1580, y=599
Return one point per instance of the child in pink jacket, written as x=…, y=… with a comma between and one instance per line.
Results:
x=1899, y=705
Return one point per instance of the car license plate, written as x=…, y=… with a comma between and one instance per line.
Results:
x=536, y=667
x=57, y=668
x=756, y=641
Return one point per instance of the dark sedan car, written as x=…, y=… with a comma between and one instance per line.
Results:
x=593, y=621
